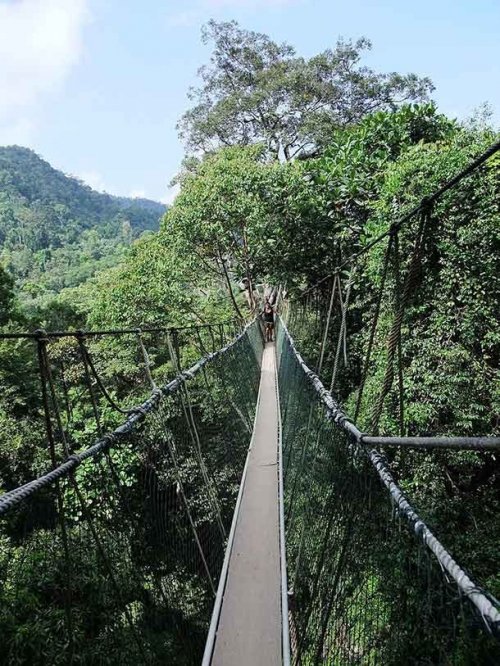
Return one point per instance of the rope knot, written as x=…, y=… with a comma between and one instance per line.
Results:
x=108, y=440
x=419, y=528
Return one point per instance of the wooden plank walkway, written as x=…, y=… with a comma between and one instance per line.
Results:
x=249, y=630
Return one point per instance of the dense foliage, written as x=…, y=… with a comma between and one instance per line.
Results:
x=293, y=223
x=56, y=232
x=449, y=351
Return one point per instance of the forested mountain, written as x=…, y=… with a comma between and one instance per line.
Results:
x=55, y=231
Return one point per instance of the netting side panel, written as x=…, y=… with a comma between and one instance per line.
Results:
x=364, y=589
x=119, y=562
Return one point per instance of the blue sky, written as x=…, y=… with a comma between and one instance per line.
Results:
x=96, y=86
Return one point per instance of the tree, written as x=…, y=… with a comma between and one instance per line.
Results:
x=258, y=91
x=292, y=222
x=154, y=285
x=221, y=214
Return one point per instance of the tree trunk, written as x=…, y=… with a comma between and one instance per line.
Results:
x=229, y=288
x=251, y=299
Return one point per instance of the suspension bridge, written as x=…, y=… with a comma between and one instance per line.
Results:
x=238, y=515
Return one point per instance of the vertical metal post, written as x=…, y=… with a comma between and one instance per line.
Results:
x=43, y=361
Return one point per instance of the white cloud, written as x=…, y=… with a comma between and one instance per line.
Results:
x=172, y=192
x=137, y=194
x=94, y=179
x=40, y=42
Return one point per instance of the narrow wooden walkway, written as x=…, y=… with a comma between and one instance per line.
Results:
x=249, y=629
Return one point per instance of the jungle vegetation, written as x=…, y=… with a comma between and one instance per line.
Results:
x=293, y=165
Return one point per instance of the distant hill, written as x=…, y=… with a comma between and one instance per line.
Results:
x=65, y=205
x=55, y=231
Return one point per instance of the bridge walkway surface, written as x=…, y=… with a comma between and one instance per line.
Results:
x=248, y=630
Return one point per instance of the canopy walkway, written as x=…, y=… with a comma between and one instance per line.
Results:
x=248, y=625
x=362, y=585
x=237, y=515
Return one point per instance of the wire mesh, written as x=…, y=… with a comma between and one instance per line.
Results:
x=362, y=588
x=118, y=561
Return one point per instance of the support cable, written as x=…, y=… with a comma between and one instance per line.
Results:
x=409, y=286
x=44, y=369
x=373, y=329
x=342, y=339
x=146, y=360
x=195, y=439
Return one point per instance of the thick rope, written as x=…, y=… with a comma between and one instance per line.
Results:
x=116, y=332
x=397, y=270
x=342, y=339
x=393, y=339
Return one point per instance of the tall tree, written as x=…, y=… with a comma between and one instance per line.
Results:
x=255, y=90
x=222, y=213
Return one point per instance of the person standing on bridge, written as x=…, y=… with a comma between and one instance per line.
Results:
x=268, y=317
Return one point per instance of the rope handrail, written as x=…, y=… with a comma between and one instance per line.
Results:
x=462, y=443
x=339, y=417
x=426, y=203
x=465, y=584
x=136, y=415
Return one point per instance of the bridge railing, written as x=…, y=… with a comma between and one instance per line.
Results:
x=113, y=555
x=96, y=377
x=368, y=581
x=403, y=334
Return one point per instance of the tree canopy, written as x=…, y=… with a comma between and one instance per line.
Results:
x=256, y=90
